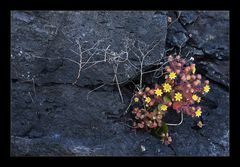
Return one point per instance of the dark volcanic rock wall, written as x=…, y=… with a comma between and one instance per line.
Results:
x=54, y=112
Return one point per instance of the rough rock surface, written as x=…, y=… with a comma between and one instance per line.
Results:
x=53, y=35
x=51, y=116
x=205, y=36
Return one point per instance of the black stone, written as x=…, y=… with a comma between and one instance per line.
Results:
x=50, y=116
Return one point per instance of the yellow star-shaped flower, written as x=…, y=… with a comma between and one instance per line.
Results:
x=195, y=97
x=172, y=75
x=206, y=88
x=188, y=77
x=194, y=70
x=167, y=87
x=163, y=107
x=198, y=113
x=148, y=99
x=158, y=92
x=136, y=99
x=178, y=96
x=199, y=99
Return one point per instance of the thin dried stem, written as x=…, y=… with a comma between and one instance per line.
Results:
x=116, y=78
x=30, y=96
x=86, y=60
x=130, y=103
x=179, y=14
x=94, y=90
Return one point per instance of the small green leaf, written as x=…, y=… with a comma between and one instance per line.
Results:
x=166, y=99
x=164, y=128
x=155, y=110
x=159, y=106
x=159, y=130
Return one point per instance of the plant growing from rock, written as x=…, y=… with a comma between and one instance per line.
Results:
x=180, y=92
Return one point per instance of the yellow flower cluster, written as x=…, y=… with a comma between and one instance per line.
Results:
x=163, y=107
x=172, y=75
x=206, y=88
x=196, y=98
x=148, y=99
x=167, y=87
x=194, y=70
x=158, y=92
x=198, y=113
x=136, y=99
x=178, y=96
x=180, y=91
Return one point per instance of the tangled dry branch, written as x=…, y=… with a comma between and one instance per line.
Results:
x=95, y=54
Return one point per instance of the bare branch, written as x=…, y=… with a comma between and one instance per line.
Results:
x=116, y=78
x=130, y=103
x=179, y=14
x=94, y=90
